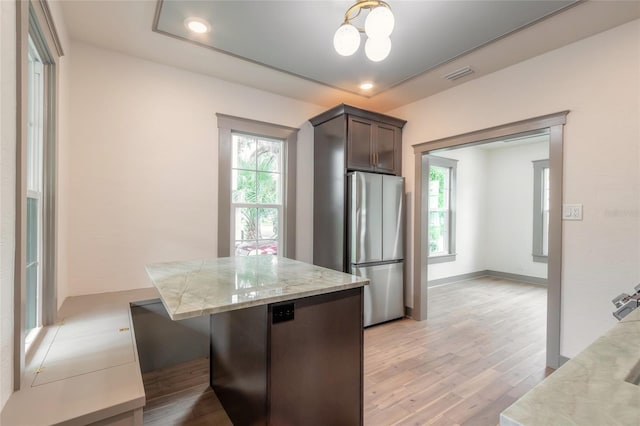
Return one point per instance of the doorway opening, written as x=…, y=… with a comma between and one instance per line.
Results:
x=488, y=210
x=441, y=247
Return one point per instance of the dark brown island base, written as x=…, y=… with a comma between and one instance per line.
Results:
x=286, y=336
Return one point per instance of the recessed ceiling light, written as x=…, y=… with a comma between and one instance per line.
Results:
x=366, y=86
x=197, y=25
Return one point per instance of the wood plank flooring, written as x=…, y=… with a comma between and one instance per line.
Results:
x=482, y=348
x=181, y=395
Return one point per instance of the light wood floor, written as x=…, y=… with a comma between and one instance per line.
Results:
x=482, y=348
x=181, y=395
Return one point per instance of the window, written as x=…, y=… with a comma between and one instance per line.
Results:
x=441, y=209
x=34, y=172
x=256, y=188
x=541, y=187
x=38, y=53
x=256, y=206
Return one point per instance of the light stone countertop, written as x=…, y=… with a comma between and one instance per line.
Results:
x=202, y=287
x=590, y=389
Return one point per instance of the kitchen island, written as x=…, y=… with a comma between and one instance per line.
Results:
x=286, y=336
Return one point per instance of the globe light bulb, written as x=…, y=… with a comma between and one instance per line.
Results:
x=377, y=49
x=379, y=22
x=346, y=40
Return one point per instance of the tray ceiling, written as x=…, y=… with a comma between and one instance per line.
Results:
x=286, y=47
x=296, y=37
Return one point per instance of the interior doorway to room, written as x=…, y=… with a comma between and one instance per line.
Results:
x=487, y=226
x=445, y=245
x=488, y=210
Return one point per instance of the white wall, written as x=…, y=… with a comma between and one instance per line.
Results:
x=7, y=191
x=142, y=166
x=597, y=80
x=62, y=146
x=494, y=205
x=471, y=218
x=508, y=234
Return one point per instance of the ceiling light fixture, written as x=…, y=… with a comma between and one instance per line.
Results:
x=197, y=25
x=366, y=86
x=378, y=26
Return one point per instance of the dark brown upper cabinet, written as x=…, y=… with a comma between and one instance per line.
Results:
x=370, y=141
x=373, y=146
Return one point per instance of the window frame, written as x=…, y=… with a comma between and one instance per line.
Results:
x=35, y=179
x=34, y=21
x=451, y=164
x=538, y=211
x=227, y=125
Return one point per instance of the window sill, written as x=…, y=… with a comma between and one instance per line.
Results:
x=441, y=258
x=540, y=259
x=32, y=341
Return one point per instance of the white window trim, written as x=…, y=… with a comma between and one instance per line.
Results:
x=432, y=160
x=35, y=176
x=538, y=214
x=226, y=126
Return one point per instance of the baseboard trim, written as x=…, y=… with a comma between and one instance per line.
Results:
x=563, y=360
x=455, y=278
x=486, y=273
x=517, y=277
x=408, y=312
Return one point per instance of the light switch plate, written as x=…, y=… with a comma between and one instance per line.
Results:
x=572, y=212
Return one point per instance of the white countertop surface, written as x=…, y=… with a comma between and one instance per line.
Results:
x=590, y=389
x=201, y=287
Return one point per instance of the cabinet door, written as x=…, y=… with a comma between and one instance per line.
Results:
x=386, y=148
x=360, y=149
x=316, y=362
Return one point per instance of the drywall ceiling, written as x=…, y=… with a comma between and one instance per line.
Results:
x=285, y=47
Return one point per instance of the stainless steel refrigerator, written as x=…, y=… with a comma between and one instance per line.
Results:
x=376, y=242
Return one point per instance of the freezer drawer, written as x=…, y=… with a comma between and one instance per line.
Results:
x=383, y=297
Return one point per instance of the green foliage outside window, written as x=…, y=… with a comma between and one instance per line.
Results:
x=438, y=174
x=437, y=201
x=257, y=181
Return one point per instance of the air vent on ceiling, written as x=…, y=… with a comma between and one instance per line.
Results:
x=462, y=72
